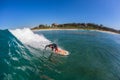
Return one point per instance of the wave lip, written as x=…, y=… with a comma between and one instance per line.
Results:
x=26, y=36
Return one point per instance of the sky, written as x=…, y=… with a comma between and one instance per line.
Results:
x=30, y=13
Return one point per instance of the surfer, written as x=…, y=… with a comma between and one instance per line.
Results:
x=56, y=49
x=52, y=46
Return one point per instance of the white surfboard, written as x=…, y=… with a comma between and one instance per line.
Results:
x=62, y=52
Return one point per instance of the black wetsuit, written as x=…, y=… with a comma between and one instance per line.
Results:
x=52, y=46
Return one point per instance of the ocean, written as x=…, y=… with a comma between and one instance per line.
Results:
x=93, y=55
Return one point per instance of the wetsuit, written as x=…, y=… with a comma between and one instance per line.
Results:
x=52, y=46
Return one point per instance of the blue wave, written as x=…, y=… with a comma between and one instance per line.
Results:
x=19, y=61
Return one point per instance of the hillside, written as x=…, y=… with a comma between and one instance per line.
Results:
x=85, y=26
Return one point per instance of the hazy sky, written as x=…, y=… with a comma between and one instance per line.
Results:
x=30, y=13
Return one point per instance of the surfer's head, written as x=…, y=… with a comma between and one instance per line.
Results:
x=50, y=46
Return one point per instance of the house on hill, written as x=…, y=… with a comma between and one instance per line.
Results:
x=54, y=25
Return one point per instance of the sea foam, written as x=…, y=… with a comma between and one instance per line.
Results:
x=27, y=37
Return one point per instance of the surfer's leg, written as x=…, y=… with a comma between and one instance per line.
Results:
x=56, y=49
x=50, y=57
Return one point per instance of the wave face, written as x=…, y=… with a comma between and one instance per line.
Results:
x=21, y=54
x=13, y=57
x=93, y=55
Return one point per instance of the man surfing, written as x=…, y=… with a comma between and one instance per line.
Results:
x=57, y=50
x=53, y=47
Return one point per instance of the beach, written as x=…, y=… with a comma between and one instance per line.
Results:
x=75, y=29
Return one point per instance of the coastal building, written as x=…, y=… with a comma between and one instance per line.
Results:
x=54, y=25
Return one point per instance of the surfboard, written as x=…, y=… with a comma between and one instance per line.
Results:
x=62, y=52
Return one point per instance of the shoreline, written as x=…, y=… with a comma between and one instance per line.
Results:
x=54, y=29
x=76, y=26
x=75, y=29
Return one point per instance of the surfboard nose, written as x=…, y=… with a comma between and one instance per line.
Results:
x=66, y=53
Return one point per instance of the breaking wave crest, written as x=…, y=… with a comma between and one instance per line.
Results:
x=27, y=37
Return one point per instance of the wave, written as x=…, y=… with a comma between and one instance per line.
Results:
x=12, y=55
x=21, y=51
x=27, y=37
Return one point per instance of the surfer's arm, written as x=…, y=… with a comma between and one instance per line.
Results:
x=46, y=46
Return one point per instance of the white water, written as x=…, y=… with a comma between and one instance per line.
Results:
x=27, y=37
